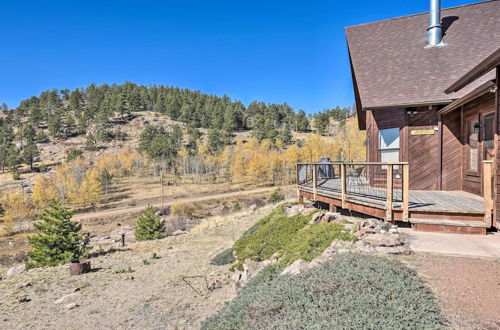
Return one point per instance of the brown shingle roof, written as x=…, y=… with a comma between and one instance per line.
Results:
x=392, y=65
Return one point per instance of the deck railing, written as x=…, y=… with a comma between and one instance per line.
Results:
x=383, y=185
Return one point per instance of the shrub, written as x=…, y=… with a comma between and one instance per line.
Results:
x=311, y=241
x=270, y=235
x=276, y=196
x=73, y=154
x=150, y=226
x=226, y=257
x=351, y=291
x=58, y=240
x=236, y=207
x=187, y=209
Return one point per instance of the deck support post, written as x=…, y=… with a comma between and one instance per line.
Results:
x=315, y=183
x=388, y=208
x=406, y=191
x=343, y=180
x=487, y=173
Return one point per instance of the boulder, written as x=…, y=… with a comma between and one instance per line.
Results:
x=178, y=232
x=329, y=217
x=296, y=267
x=292, y=210
x=316, y=217
x=381, y=240
x=70, y=306
x=393, y=250
x=363, y=231
x=252, y=208
x=14, y=270
x=68, y=298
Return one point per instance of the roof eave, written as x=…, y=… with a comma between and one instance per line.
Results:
x=481, y=90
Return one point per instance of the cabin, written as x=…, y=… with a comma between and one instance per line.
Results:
x=427, y=93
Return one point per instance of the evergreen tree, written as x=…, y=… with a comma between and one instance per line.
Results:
x=30, y=152
x=301, y=122
x=150, y=226
x=91, y=143
x=193, y=136
x=215, y=141
x=13, y=161
x=58, y=239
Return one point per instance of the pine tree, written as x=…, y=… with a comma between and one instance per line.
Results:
x=150, y=226
x=91, y=143
x=58, y=239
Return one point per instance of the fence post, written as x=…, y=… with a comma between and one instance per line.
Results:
x=315, y=182
x=487, y=192
x=406, y=191
x=343, y=180
x=388, y=208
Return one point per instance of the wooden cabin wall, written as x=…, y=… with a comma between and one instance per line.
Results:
x=472, y=181
x=420, y=151
x=452, y=155
x=496, y=167
x=423, y=150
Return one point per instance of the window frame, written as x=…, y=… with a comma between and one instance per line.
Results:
x=382, y=149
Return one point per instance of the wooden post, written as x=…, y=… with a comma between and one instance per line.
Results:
x=440, y=152
x=487, y=165
x=343, y=180
x=123, y=239
x=406, y=191
x=315, y=182
x=388, y=208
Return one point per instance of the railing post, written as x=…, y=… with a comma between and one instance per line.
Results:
x=315, y=182
x=406, y=191
x=487, y=192
x=343, y=180
x=388, y=208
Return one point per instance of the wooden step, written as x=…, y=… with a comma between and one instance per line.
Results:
x=449, y=226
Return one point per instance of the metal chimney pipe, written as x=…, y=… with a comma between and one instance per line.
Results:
x=434, y=31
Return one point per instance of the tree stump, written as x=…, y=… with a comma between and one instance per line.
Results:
x=79, y=267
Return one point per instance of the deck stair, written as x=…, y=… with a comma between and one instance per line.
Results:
x=449, y=226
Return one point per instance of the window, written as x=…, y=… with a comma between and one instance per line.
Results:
x=488, y=136
x=388, y=141
x=472, y=140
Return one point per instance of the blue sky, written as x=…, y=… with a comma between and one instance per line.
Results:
x=274, y=51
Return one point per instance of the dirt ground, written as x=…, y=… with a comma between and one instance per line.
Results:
x=468, y=289
x=130, y=289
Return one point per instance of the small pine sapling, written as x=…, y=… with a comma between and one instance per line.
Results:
x=150, y=226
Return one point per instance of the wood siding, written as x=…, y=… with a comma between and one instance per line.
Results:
x=421, y=151
x=452, y=155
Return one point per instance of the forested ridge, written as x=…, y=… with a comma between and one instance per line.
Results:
x=93, y=110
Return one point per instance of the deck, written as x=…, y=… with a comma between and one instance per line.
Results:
x=382, y=190
x=420, y=200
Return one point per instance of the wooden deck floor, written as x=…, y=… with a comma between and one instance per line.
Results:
x=420, y=200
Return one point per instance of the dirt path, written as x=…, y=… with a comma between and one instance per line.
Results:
x=129, y=289
x=468, y=289
x=134, y=209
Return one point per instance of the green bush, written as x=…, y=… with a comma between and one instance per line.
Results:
x=226, y=257
x=236, y=207
x=276, y=196
x=58, y=240
x=150, y=226
x=269, y=237
x=73, y=154
x=351, y=291
x=311, y=241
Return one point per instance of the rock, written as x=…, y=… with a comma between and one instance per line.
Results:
x=393, y=229
x=296, y=267
x=316, y=217
x=24, y=285
x=178, y=232
x=360, y=224
x=385, y=226
x=68, y=298
x=363, y=231
x=70, y=306
x=329, y=217
x=393, y=250
x=14, y=270
x=350, y=226
x=294, y=210
x=252, y=208
x=23, y=299
x=380, y=240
